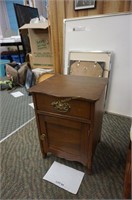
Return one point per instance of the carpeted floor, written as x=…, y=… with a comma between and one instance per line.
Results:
x=14, y=112
x=23, y=168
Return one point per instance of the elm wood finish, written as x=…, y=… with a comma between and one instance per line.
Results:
x=69, y=111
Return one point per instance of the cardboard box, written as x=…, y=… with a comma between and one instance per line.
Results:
x=40, y=44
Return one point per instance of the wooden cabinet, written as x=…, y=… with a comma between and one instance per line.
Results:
x=69, y=111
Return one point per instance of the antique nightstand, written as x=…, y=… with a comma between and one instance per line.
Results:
x=69, y=111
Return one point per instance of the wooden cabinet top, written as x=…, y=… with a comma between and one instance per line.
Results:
x=88, y=88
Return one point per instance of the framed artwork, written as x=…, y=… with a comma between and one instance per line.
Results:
x=84, y=4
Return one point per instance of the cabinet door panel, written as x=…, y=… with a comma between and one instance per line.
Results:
x=65, y=137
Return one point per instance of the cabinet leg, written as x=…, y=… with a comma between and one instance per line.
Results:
x=89, y=167
x=89, y=171
x=44, y=155
x=99, y=140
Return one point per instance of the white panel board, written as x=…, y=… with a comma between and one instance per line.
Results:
x=106, y=33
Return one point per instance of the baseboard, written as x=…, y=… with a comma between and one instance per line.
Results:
x=118, y=114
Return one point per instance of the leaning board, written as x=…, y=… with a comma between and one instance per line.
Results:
x=105, y=33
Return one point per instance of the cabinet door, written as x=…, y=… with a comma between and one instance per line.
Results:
x=65, y=138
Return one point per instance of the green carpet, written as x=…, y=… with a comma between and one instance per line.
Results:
x=23, y=168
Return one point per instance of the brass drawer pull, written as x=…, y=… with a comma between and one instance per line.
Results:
x=61, y=105
x=42, y=137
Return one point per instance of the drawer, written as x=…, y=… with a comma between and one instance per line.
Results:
x=64, y=106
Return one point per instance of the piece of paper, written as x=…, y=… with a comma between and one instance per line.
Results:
x=32, y=105
x=17, y=94
x=65, y=177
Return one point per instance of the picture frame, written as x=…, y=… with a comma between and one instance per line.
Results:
x=84, y=4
